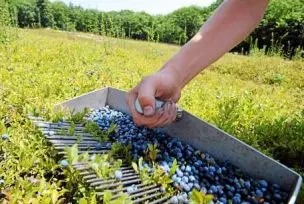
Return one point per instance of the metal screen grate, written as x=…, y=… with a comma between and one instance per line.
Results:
x=145, y=193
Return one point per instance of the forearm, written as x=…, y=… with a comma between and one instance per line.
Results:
x=232, y=22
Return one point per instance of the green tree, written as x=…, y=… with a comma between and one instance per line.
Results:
x=4, y=21
x=27, y=15
x=61, y=15
x=45, y=13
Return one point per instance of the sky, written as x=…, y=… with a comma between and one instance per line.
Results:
x=150, y=6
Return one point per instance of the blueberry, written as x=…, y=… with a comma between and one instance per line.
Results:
x=178, y=179
x=118, y=174
x=277, y=197
x=204, y=190
x=108, y=145
x=237, y=195
x=179, y=173
x=223, y=200
x=131, y=189
x=98, y=146
x=220, y=192
x=174, y=200
x=259, y=193
x=188, y=153
x=180, y=198
x=213, y=188
x=211, y=169
x=237, y=185
x=275, y=186
x=190, y=185
x=247, y=184
x=188, y=168
x=192, y=178
x=179, y=155
x=197, y=186
x=5, y=136
x=263, y=183
x=186, y=187
x=64, y=163
x=229, y=194
x=185, y=179
x=219, y=171
x=236, y=200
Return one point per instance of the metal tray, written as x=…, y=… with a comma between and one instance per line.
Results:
x=205, y=137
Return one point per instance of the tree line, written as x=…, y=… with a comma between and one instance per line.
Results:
x=282, y=27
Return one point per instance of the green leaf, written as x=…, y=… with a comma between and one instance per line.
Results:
x=140, y=162
x=72, y=154
x=82, y=201
x=55, y=196
x=196, y=197
x=173, y=168
x=107, y=196
x=135, y=167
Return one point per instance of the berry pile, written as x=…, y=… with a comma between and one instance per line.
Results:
x=196, y=169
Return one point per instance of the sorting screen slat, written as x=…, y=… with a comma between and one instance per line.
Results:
x=56, y=134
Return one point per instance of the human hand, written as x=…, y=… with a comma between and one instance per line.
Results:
x=159, y=85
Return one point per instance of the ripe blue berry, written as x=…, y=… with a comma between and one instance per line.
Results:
x=213, y=188
x=64, y=163
x=277, y=197
x=174, y=200
x=247, y=184
x=98, y=146
x=179, y=173
x=192, y=178
x=236, y=200
x=263, y=183
x=185, y=179
x=223, y=200
x=259, y=193
x=186, y=187
x=131, y=189
x=118, y=174
x=5, y=136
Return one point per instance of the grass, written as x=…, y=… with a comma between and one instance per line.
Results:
x=259, y=99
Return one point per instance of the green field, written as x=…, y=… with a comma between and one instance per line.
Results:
x=258, y=99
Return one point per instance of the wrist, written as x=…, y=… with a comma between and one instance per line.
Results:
x=173, y=75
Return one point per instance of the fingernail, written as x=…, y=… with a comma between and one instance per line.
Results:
x=148, y=111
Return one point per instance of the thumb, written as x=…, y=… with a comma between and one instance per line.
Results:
x=146, y=97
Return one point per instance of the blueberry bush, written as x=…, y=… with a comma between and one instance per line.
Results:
x=258, y=99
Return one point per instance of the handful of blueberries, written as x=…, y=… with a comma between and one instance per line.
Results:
x=196, y=169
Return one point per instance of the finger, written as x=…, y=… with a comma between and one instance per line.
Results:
x=146, y=96
x=130, y=100
x=171, y=114
x=152, y=123
x=166, y=115
x=140, y=119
